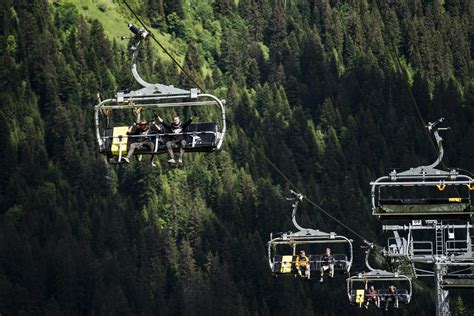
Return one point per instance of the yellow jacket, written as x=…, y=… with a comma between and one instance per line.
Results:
x=302, y=261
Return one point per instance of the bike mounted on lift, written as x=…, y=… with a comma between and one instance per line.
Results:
x=113, y=140
x=424, y=192
x=358, y=286
x=286, y=263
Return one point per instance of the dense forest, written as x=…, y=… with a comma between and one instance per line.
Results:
x=333, y=92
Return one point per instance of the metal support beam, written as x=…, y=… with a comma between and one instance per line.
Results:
x=442, y=304
x=424, y=227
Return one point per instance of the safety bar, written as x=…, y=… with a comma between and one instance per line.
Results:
x=154, y=135
x=422, y=251
x=317, y=261
x=428, y=183
x=452, y=246
x=290, y=242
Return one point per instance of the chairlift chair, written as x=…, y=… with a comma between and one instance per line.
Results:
x=358, y=285
x=424, y=192
x=113, y=140
x=284, y=263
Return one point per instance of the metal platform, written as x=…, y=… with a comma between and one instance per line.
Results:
x=457, y=281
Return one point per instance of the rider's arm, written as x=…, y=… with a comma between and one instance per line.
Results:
x=168, y=126
x=130, y=130
x=186, y=124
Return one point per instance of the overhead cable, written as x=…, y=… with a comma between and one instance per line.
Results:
x=164, y=48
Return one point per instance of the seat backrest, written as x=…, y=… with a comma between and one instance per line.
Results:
x=360, y=295
x=340, y=262
x=423, y=201
x=202, y=127
x=293, y=259
x=119, y=140
x=340, y=257
x=315, y=262
x=277, y=258
x=277, y=263
x=402, y=295
x=108, y=133
x=286, y=264
x=353, y=296
x=203, y=137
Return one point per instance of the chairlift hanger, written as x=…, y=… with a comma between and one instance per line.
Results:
x=113, y=141
x=284, y=264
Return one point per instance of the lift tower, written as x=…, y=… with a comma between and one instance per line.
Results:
x=433, y=200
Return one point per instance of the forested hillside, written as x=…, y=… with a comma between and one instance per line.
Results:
x=334, y=93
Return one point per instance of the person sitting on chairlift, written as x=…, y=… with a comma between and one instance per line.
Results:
x=154, y=129
x=392, y=296
x=139, y=142
x=176, y=127
x=372, y=297
x=302, y=264
x=327, y=263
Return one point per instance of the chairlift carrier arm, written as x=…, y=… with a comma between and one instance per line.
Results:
x=156, y=95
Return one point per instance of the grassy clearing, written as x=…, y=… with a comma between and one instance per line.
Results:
x=115, y=20
x=106, y=11
x=115, y=17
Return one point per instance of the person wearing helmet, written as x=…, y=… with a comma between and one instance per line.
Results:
x=176, y=128
x=137, y=131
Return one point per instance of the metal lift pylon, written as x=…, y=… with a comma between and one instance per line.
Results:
x=449, y=247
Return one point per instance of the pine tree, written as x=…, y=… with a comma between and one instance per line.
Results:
x=459, y=308
x=174, y=6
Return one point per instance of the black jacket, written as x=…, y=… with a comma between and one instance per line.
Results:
x=177, y=129
x=327, y=260
x=137, y=130
x=154, y=129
